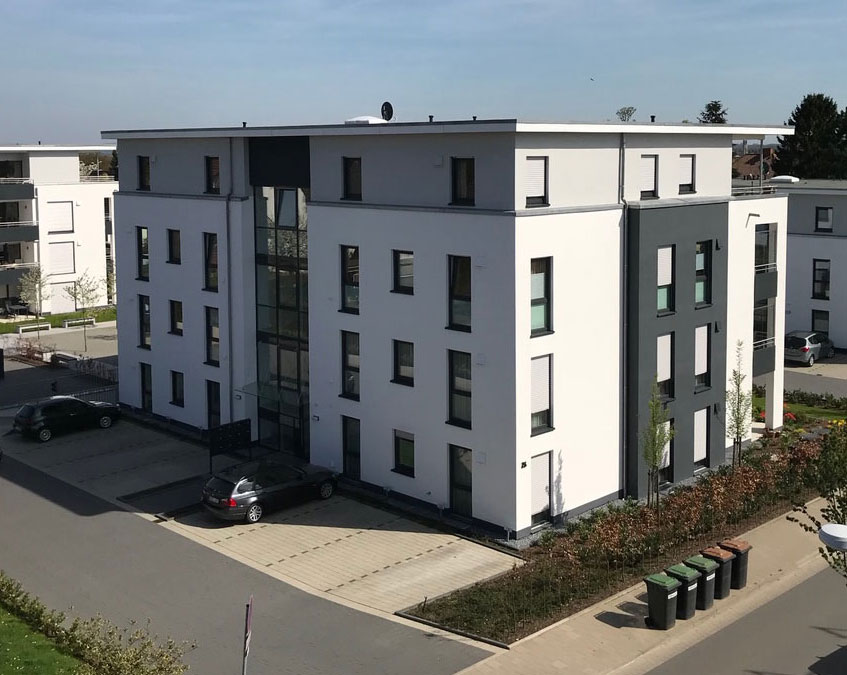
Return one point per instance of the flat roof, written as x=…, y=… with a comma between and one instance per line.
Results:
x=56, y=148
x=737, y=131
x=811, y=184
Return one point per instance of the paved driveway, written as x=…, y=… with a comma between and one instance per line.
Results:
x=828, y=376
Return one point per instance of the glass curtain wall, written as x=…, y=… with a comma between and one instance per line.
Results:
x=282, y=316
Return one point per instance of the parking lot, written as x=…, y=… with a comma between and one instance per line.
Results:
x=827, y=376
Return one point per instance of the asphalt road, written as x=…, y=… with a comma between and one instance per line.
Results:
x=74, y=550
x=816, y=384
x=802, y=631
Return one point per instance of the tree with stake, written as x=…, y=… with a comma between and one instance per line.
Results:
x=85, y=292
x=738, y=406
x=713, y=113
x=654, y=439
x=34, y=291
x=625, y=114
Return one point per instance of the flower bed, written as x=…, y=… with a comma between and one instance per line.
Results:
x=615, y=547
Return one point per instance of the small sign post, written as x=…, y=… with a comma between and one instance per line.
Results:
x=248, y=628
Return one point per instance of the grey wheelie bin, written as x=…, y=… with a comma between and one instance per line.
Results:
x=686, y=600
x=706, y=583
x=661, y=600
x=723, y=579
x=741, y=549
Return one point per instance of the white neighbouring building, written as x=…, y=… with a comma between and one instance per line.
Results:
x=469, y=313
x=52, y=216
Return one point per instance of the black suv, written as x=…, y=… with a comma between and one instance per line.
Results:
x=63, y=413
x=247, y=491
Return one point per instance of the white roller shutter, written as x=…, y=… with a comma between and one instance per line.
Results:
x=62, y=257
x=701, y=349
x=58, y=216
x=536, y=176
x=540, y=373
x=648, y=173
x=540, y=483
x=665, y=266
x=666, y=451
x=663, y=358
x=686, y=169
x=701, y=434
x=59, y=302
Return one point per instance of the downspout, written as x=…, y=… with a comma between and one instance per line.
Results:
x=229, y=283
x=624, y=312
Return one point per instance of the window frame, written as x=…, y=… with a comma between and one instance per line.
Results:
x=703, y=381
x=705, y=274
x=398, y=378
x=397, y=287
x=143, y=167
x=536, y=430
x=828, y=281
x=536, y=201
x=175, y=329
x=452, y=282
x=212, y=342
x=689, y=188
x=145, y=336
x=145, y=377
x=347, y=369
x=469, y=189
x=816, y=315
x=666, y=474
x=401, y=437
x=671, y=287
x=545, y=301
x=179, y=401
x=818, y=210
x=142, y=253
x=212, y=174
x=452, y=390
x=348, y=174
x=654, y=193
x=347, y=270
x=666, y=387
x=174, y=246
x=211, y=269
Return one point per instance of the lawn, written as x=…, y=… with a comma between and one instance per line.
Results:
x=808, y=410
x=55, y=320
x=23, y=650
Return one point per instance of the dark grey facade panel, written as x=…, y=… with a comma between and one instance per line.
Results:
x=15, y=191
x=280, y=162
x=766, y=285
x=764, y=361
x=13, y=233
x=681, y=226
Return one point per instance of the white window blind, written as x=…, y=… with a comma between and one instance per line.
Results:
x=701, y=349
x=62, y=257
x=701, y=434
x=648, y=173
x=58, y=216
x=540, y=373
x=663, y=358
x=686, y=169
x=60, y=301
x=540, y=483
x=665, y=266
x=536, y=176
x=666, y=451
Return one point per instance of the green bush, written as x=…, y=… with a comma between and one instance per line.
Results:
x=104, y=649
x=55, y=320
x=827, y=401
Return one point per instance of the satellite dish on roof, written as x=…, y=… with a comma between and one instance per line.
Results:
x=387, y=111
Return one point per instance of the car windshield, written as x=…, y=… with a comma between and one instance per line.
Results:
x=794, y=342
x=26, y=411
x=220, y=485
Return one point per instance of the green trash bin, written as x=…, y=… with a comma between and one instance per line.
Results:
x=706, y=582
x=661, y=600
x=686, y=600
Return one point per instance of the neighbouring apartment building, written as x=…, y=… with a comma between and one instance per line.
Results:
x=471, y=314
x=816, y=295
x=52, y=216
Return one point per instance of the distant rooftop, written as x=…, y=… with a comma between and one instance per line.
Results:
x=811, y=184
x=56, y=148
x=737, y=131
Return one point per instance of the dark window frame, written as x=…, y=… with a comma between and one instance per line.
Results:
x=352, y=178
x=452, y=390
x=819, y=292
x=350, y=279
x=705, y=274
x=818, y=210
x=350, y=373
x=536, y=430
x=213, y=342
x=535, y=201
x=143, y=164
x=689, y=188
x=654, y=193
x=213, y=413
x=816, y=315
x=211, y=266
x=671, y=308
x=666, y=387
x=463, y=182
x=174, y=246
x=145, y=338
x=546, y=301
x=453, y=280
x=347, y=451
x=398, y=378
x=213, y=174
x=176, y=325
x=177, y=376
x=666, y=473
x=399, y=467
x=142, y=253
x=397, y=286
x=703, y=381
x=145, y=376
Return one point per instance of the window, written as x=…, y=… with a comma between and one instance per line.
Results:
x=460, y=292
x=820, y=279
x=176, y=317
x=144, y=321
x=404, y=453
x=352, y=447
x=404, y=363
x=463, y=181
x=350, y=279
x=664, y=364
x=820, y=321
x=765, y=247
x=541, y=316
x=823, y=219
x=541, y=394
x=213, y=337
x=213, y=175
x=177, y=389
x=210, y=261
x=353, y=178
x=174, y=247
x=664, y=280
x=146, y=376
x=536, y=182
x=701, y=356
x=666, y=465
x=350, y=365
x=686, y=174
x=701, y=437
x=703, y=273
x=763, y=323
x=404, y=272
x=459, y=389
x=213, y=404
x=143, y=173
x=142, y=253
x=649, y=171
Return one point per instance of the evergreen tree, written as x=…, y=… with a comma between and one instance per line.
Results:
x=713, y=113
x=817, y=148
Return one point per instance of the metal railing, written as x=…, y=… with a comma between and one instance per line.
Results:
x=763, y=343
x=97, y=179
x=18, y=223
x=765, y=267
x=753, y=190
x=15, y=181
x=22, y=265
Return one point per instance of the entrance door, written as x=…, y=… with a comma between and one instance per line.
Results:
x=352, y=448
x=213, y=404
x=541, y=489
x=146, y=387
x=461, y=502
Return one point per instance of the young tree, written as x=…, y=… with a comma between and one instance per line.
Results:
x=713, y=113
x=85, y=292
x=34, y=290
x=625, y=114
x=109, y=282
x=654, y=438
x=113, y=165
x=738, y=406
x=818, y=148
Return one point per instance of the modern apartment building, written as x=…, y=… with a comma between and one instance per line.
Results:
x=52, y=216
x=469, y=313
x=816, y=297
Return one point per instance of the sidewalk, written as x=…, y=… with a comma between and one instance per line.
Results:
x=611, y=637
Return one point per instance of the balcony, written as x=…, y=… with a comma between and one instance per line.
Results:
x=102, y=178
x=13, y=189
x=752, y=190
x=11, y=274
x=18, y=231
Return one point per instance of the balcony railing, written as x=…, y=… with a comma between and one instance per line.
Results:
x=763, y=343
x=747, y=190
x=765, y=267
x=15, y=181
x=97, y=179
x=20, y=223
x=17, y=265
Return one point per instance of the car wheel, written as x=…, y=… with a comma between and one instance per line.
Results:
x=45, y=435
x=105, y=422
x=811, y=361
x=326, y=489
x=254, y=513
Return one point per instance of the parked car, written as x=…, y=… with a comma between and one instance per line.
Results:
x=59, y=414
x=248, y=491
x=808, y=346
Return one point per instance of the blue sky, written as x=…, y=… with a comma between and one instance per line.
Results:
x=74, y=67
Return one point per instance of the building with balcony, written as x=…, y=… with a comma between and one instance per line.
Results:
x=471, y=314
x=52, y=216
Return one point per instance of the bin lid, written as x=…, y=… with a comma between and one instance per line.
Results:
x=701, y=563
x=683, y=572
x=662, y=580
x=718, y=553
x=735, y=545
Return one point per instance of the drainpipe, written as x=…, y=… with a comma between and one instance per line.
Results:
x=229, y=282
x=761, y=163
x=624, y=309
